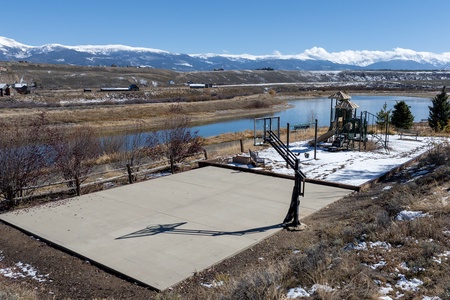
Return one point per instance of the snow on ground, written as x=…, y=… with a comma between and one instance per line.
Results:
x=22, y=270
x=351, y=167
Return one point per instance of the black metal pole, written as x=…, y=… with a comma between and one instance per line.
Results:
x=315, y=139
x=297, y=193
x=288, y=132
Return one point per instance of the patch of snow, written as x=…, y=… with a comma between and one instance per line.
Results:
x=22, y=270
x=408, y=285
x=384, y=290
x=349, y=167
x=386, y=188
x=406, y=215
x=212, y=285
x=355, y=246
x=364, y=245
x=297, y=292
x=378, y=265
x=320, y=287
x=438, y=259
x=380, y=244
x=403, y=266
x=300, y=292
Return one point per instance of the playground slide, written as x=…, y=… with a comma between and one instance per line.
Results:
x=323, y=137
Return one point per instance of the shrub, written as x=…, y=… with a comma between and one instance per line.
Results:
x=262, y=284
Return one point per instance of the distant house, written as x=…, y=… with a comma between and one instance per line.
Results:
x=21, y=88
x=3, y=87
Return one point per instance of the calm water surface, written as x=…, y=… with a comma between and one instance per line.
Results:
x=306, y=110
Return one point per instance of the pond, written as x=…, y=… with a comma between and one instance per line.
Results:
x=306, y=110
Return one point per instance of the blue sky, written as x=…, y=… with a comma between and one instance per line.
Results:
x=257, y=27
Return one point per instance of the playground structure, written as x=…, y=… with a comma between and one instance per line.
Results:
x=347, y=128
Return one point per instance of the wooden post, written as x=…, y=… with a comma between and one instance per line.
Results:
x=78, y=185
x=206, y=154
x=242, y=145
x=130, y=176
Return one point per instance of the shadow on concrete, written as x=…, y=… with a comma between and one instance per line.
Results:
x=173, y=229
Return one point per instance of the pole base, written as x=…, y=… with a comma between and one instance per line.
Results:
x=295, y=227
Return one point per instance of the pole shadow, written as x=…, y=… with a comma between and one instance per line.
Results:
x=174, y=229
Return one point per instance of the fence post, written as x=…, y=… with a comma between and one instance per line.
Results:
x=78, y=185
x=130, y=176
x=242, y=145
x=206, y=154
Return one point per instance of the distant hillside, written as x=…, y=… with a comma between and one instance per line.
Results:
x=315, y=59
x=59, y=76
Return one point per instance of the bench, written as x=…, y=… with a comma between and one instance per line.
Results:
x=256, y=160
x=410, y=133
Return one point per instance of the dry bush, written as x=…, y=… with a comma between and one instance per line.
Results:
x=261, y=284
x=258, y=104
x=310, y=267
x=359, y=286
x=438, y=154
x=423, y=228
x=394, y=200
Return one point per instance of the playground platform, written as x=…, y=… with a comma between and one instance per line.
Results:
x=162, y=231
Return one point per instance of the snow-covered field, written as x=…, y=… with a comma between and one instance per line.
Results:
x=350, y=167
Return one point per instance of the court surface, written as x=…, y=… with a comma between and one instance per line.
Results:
x=160, y=232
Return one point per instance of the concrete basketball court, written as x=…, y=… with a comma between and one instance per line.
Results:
x=162, y=231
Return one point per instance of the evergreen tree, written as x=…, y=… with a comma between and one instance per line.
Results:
x=383, y=116
x=402, y=117
x=439, y=111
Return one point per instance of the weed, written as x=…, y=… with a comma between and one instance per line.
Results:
x=383, y=220
x=262, y=284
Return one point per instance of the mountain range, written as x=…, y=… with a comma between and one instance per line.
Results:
x=314, y=59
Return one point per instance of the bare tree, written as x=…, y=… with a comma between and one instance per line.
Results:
x=75, y=151
x=23, y=157
x=130, y=150
x=178, y=141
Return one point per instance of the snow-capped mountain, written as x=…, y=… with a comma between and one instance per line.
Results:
x=312, y=59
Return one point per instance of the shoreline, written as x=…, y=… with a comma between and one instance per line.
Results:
x=122, y=118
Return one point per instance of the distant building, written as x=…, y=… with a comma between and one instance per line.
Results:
x=3, y=87
x=200, y=85
x=21, y=88
x=133, y=87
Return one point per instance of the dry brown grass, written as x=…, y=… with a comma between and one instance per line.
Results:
x=10, y=290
